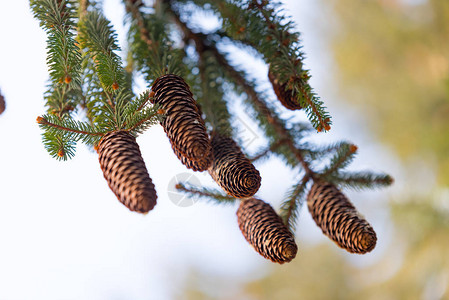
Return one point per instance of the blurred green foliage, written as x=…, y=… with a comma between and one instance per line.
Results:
x=393, y=56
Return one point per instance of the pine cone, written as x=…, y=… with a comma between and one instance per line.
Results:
x=285, y=96
x=183, y=123
x=339, y=219
x=2, y=103
x=125, y=171
x=231, y=169
x=264, y=230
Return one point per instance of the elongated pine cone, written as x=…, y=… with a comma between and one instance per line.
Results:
x=231, y=169
x=124, y=170
x=285, y=96
x=339, y=219
x=264, y=230
x=183, y=123
x=2, y=103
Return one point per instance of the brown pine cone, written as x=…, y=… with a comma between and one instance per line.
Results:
x=231, y=169
x=2, y=104
x=339, y=219
x=285, y=96
x=124, y=170
x=265, y=231
x=183, y=123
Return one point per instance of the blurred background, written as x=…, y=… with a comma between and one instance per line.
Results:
x=382, y=68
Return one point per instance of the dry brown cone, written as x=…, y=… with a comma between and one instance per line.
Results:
x=263, y=229
x=183, y=123
x=231, y=169
x=125, y=171
x=339, y=219
x=2, y=103
x=285, y=96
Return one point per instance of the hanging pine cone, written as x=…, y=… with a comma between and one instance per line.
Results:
x=231, y=169
x=264, y=230
x=339, y=219
x=285, y=96
x=125, y=171
x=183, y=123
x=2, y=103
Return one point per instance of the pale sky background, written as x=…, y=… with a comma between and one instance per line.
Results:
x=63, y=233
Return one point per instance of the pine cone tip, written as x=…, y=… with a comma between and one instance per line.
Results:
x=289, y=252
x=368, y=241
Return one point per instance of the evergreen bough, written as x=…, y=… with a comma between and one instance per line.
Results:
x=89, y=99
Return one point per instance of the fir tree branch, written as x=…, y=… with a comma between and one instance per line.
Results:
x=45, y=123
x=261, y=106
x=267, y=150
x=151, y=44
x=63, y=55
x=291, y=206
x=360, y=180
x=344, y=156
x=212, y=94
x=206, y=193
x=297, y=78
x=97, y=35
x=148, y=118
x=261, y=26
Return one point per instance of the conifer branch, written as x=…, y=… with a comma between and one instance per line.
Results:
x=296, y=81
x=44, y=122
x=360, y=180
x=206, y=193
x=155, y=56
x=63, y=55
x=261, y=26
x=291, y=206
x=341, y=159
x=261, y=106
x=267, y=150
x=97, y=35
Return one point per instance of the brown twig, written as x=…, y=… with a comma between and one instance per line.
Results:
x=43, y=121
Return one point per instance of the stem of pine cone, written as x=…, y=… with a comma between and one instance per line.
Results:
x=283, y=133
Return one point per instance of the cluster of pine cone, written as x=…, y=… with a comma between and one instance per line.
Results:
x=126, y=174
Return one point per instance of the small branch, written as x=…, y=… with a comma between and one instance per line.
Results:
x=296, y=78
x=204, y=193
x=133, y=8
x=44, y=121
x=142, y=121
x=341, y=159
x=201, y=45
x=144, y=102
x=292, y=204
x=267, y=150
